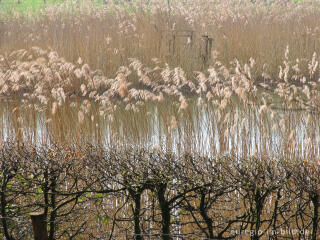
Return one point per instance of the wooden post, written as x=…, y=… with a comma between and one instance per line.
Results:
x=39, y=226
x=191, y=38
x=172, y=44
x=1, y=30
x=207, y=49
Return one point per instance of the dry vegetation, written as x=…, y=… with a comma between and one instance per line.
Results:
x=231, y=84
x=88, y=192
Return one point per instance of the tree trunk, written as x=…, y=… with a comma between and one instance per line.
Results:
x=205, y=216
x=53, y=206
x=136, y=213
x=315, y=217
x=165, y=212
x=259, y=202
x=3, y=209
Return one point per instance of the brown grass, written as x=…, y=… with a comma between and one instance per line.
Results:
x=159, y=85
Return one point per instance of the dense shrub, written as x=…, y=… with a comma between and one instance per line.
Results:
x=134, y=193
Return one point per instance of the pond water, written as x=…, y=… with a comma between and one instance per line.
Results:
x=206, y=130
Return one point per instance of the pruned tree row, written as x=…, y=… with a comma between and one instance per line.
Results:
x=93, y=192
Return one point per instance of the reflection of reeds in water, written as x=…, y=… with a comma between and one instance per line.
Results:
x=240, y=131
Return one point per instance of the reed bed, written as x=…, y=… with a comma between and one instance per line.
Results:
x=188, y=119
x=171, y=33
x=224, y=111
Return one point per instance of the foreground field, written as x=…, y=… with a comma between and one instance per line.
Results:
x=161, y=119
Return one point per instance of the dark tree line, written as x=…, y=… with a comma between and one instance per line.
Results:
x=135, y=193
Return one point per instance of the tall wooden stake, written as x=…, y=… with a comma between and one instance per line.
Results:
x=39, y=226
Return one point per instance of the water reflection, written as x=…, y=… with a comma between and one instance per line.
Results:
x=240, y=131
